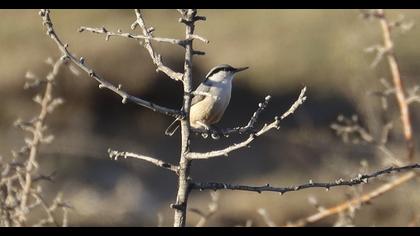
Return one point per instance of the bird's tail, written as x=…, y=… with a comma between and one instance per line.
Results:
x=172, y=128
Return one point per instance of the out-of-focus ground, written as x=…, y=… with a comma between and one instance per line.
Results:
x=285, y=49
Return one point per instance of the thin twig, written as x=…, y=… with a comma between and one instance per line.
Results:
x=360, y=179
x=48, y=210
x=264, y=129
x=413, y=96
x=45, y=14
x=108, y=35
x=37, y=138
x=398, y=84
x=157, y=59
x=113, y=154
x=249, y=127
x=406, y=123
x=348, y=204
x=20, y=193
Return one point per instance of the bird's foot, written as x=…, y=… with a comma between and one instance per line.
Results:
x=215, y=132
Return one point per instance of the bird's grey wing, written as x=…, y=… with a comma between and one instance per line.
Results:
x=202, y=88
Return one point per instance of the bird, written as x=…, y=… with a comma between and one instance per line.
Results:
x=211, y=98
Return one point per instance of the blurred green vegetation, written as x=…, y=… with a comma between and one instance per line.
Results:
x=285, y=49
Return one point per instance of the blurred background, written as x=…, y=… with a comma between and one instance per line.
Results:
x=285, y=50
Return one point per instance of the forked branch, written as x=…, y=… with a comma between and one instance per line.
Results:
x=264, y=129
x=119, y=33
x=353, y=202
x=157, y=59
x=398, y=84
x=248, y=128
x=403, y=102
x=360, y=179
x=45, y=14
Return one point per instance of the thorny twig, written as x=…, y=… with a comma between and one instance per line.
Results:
x=20, y=192
x=38, y=136
x=188, y=17
x=45, y=14
x=387, y=91
x=403, y=103
x=387, y=50
x=350, y=130
x=49, y=210
x=413, y=95
x=356, y=201
x=119, y=33
x=157, y=59
x=360, y=179
x=275, y=124
x=249, y=127
x=113, y=154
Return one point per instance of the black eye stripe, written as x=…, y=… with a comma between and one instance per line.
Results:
x=222, y=68
x=216, y=71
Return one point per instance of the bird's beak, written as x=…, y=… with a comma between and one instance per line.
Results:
x=241, y=69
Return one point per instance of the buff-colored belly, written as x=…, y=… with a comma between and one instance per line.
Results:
x=210, y=110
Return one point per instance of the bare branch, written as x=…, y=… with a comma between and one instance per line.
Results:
x=108, y=35
x=384, y=93
x=380, y=53
x=37, y=132
x=249, y=127
x=253, y=120
x=45, y=14
x=356, y=201
x=266, y=217
x=360, y=179
x=398, y=84
x=157, y=59
x=350, y=130
x=264, y=129
x=405, y=118
x=413, y=95
x=20, y=193
x=181, y=203
x=296, y=104
x=49, y=210
x=113, y=154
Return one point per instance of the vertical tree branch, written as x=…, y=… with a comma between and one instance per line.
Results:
x=184, y=164
x=396, y=78
x=407, y=130
x=38, y=137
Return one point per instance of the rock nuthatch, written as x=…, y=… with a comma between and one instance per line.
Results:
x=210, y=99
